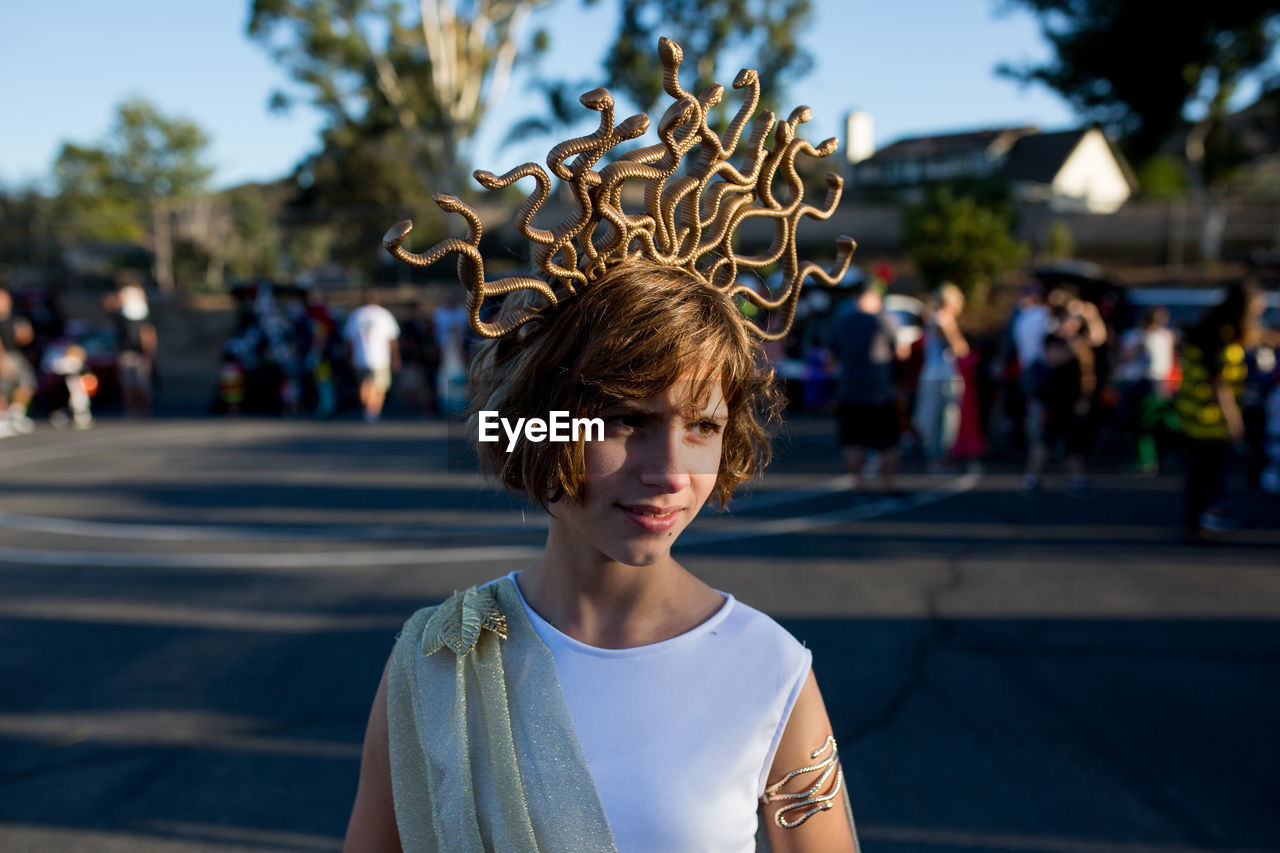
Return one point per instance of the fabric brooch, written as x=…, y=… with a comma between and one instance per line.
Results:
x=458, y=623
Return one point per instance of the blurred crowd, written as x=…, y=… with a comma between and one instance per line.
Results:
x=58, y=368
x=1066, y=376
x=291, y=353
x=1073, y=372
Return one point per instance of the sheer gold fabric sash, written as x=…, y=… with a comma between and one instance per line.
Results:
x=484, y=756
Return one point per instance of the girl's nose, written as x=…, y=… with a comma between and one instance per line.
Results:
x=662, y=462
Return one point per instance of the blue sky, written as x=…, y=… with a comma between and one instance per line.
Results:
x=917, y=66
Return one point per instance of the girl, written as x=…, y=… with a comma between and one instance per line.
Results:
x=941, y=386
x=604, y=698
x=1208, y=403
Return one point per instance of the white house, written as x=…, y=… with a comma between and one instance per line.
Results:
x=1074, y=170
x=1070, y=170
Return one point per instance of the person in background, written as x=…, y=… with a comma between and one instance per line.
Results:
x=17, y=379
x=450, y=320
x=136, y=341
x=1269, y=476
x=373, y=335
x=1071, y=384
x=321, y=345
x=1147, y=354
x=1027, y=332
x=1208, y=404
x=420, y=359
x=864, y=343
x=937, y=412
x=69, y=363
x=971, y=435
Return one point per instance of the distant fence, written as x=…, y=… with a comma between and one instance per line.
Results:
x=1161, y=232
x=1142, y=233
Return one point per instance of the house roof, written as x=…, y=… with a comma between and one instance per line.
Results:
x=1039, y=157
x=950, y=144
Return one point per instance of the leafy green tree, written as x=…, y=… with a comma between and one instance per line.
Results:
x=767, y=31
x=1061, y=241
x=404, y=88
x=1162, y=176
x=125, y=187
x=90, y=203
x=25, y=216
x=376, y=69
x=251, y=243
x=1137, y=65
x=958, y=240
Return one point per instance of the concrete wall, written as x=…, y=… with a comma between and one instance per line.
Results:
x=1159, y=232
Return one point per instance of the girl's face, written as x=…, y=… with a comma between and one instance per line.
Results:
x=648, y=479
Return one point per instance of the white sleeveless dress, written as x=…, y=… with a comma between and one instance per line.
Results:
x=680, y=735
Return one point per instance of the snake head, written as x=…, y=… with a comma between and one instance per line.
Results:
x=597, y=99
x=746, y=77
x=783, y=135
x=669, y=53
x=800, y=115
x=631, y=128
x=677, y=115
x=448, y=202
x=828, y=147
x=711, y=95
x=396, y=234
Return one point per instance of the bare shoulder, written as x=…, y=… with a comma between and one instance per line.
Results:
x=803, y=806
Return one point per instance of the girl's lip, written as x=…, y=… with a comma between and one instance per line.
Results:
x=639, y=515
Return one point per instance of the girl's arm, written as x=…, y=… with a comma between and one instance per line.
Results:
x=1230, y=409
x=373, y=818
x=955, y=339
x=826, y=831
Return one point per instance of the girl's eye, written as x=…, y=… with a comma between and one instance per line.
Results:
x=629, y=420
x=707, y=428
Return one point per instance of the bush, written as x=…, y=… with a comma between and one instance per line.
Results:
x=958, y=240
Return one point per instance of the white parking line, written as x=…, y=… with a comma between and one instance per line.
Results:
x=306, y=560
x=860, y=512
x=231, y=532
x=13, y=457
x=293, y=560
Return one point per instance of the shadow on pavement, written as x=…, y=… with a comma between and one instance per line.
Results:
x=957, y=734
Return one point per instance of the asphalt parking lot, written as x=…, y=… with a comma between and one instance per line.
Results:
x=194, y=614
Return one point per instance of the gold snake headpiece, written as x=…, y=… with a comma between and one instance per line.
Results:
x=689, y=221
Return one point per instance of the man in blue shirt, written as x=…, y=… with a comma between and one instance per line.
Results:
x=864, y=342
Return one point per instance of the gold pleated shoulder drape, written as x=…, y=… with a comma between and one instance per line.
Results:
x=484, y=756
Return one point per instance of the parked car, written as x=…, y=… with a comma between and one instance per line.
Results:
x=1186, y=304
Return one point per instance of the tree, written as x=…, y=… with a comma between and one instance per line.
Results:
x=25, y=216
x=1137, y=65
x=766, y=30
x=960, y=241
x=372, y=67
x=403, y=89
x=125, y=187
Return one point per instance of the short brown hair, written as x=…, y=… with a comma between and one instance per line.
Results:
x=630, y=335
